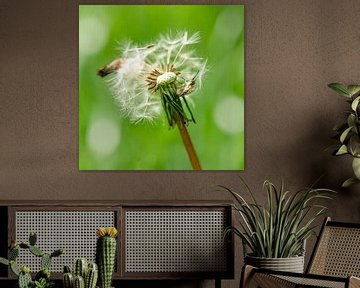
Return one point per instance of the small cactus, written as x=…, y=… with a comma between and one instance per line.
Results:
x=24, y=246
x=45, y=261
x=32, y=238
x=13, y=253
x=36, y=251
x=25, y=269
x=80, y=268
x=67, y=269
x=91, y=276
x=42, y=278
x=57, y=252
x=106, y=254
x=14, y=268
x=24, y=277
x=44, y=273
x=84, y=274
x=79, y=282
x=68, y=280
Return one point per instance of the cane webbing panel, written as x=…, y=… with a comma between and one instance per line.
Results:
x=338, y=252
x=74, y=231
x=175, y=241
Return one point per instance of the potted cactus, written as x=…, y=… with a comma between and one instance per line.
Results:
x=84, y=275
x=42, y=278
x=106, y=254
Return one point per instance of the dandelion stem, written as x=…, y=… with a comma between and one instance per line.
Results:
x=194, y=159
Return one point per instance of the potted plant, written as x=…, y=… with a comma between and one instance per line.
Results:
x=276, y=233
x=348, y=133
x=42, y=278
x=106, y=254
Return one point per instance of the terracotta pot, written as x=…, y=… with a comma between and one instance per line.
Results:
x=291, y=264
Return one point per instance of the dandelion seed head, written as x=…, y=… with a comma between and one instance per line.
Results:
x=170, y=60
x=166, y=78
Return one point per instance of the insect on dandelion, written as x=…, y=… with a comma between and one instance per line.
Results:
x=157, y=79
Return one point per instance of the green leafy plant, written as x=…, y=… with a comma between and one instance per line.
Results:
x=42, y=278
x=43, y=283
x=349, y=132
x=279, y=229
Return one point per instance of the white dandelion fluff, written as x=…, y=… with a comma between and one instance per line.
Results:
x=158, y=77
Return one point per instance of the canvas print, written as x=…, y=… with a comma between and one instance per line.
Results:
x=161, y=87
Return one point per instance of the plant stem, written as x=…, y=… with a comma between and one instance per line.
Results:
x=194, y=159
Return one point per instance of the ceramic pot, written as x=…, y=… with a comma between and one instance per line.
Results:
x=291, y=264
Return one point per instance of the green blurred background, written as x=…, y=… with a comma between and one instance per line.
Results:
x=107, y=141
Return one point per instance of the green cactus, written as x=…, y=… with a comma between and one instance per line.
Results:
x=24, y=280
x=67, y=269
x=106, y=254
x=36, y=251
x=57, y=252
x=13, y=253
x=45, y=261
x=42, y=278
x=32, y=238
x=24, y=245
x=25, y=269
x=14, y=268
x=68, y=280
x=43, y=274
x=91, y=276
x=80, y=267
x=87, y=272
x=79, y=282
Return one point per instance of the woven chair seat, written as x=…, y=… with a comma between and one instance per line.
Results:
x=314, y=282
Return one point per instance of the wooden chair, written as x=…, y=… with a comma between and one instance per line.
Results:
x=334, y=263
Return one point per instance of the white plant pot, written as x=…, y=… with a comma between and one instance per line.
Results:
x=291, y=264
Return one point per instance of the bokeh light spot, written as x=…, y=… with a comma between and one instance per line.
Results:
x=224, y=26
x=93, y=35
x=229, y=115
x=103, y=136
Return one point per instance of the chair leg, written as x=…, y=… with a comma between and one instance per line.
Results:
x=354, y=282
x=246, y=273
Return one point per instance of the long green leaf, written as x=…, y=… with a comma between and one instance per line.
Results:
x=349, y=182
x=353, y=89
x=4, y=261
x=355, y=103
x=345, y=134
x=340, y=88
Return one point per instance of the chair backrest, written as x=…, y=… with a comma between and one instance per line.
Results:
x=337, y=251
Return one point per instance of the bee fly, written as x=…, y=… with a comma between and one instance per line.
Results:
x=115, y=65
x=110, y=68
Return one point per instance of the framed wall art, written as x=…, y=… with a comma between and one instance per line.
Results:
x=161, y=87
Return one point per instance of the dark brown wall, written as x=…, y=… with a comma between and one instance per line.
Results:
x=293, y=50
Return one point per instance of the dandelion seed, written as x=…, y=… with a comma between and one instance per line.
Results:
x=158, y=78
x=143, y=74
